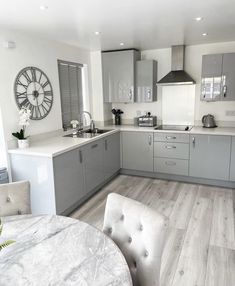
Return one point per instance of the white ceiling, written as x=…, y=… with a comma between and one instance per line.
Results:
x=143, y=24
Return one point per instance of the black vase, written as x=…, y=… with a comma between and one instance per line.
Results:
x=117, y=119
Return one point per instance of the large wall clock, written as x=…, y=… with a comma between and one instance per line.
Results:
x=33, y=90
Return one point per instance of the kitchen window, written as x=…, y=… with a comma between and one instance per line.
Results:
x=72, y=77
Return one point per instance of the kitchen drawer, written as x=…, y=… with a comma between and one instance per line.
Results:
x=171, y=150
x=171, y=137
x=171, y=166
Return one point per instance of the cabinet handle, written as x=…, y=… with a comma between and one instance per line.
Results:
x=170, y=137
x=94, y=146
x=106, y=145
x=194, y=141
x=130, y=94
x=150, y=140
x=80, y=156
x=170, y=163
x=149, y=94
x=225, y=90
x=170, y=147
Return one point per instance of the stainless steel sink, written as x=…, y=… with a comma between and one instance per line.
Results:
x=88, y=133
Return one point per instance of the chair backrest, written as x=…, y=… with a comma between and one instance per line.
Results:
x=140, y=233
x=15, y=198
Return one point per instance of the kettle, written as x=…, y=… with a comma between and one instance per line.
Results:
x=208, y=121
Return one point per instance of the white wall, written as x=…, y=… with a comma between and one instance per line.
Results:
x=193, y=60
x=101, y=110
x=32, y=51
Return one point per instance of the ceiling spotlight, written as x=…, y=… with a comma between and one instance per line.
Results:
x=204, y=34
x=121, y=44
x=97, y=33
x=43, y=7
x=198, y=19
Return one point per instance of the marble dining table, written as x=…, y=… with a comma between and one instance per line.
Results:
x=57, y=250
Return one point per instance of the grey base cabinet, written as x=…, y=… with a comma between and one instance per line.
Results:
x=60, y=184
x=232, y=166
x=68, y=179
x=111, y=147
x=92, y=156
x=137, y=151
x=210, y=156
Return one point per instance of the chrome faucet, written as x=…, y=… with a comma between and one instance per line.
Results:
x=92, y=123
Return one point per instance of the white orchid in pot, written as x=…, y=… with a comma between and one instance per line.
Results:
x=23, y=141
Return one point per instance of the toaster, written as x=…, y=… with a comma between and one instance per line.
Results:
x=147, y=121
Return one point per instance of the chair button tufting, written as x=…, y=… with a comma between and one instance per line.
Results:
x=141, y=227
x=135, y=264
x=8, y=199
x=122, y=217
x=129, y=239
x=146, y=253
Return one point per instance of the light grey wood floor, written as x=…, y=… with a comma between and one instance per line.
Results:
x=200, y=245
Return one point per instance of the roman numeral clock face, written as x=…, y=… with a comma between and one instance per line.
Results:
x=33, y=90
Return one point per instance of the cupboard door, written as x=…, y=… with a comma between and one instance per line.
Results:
x=119, y=75
x=211, y=83
x=111, y=145
x=146, y=78
x=212, y=65
x=228, y=77
x=92, y=156
x=137, y=151
x=210, y=156
x=232, y=166
x=69, y=179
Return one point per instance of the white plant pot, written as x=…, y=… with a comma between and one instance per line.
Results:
x=24, y=143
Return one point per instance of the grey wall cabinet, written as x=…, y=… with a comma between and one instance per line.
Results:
x=218, y=77
x=232, y=166
x=92, y=156
x=228, y=77
x=210, y=156
x=118, y=68
x=137, y=151
x=146, y=79
x=111, y=147
x=68, y=179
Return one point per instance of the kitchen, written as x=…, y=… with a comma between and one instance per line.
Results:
x=160, y=152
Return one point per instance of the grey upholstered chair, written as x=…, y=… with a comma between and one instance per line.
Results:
x=140, y=233
x=15, y=198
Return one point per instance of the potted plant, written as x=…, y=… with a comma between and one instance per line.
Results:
x=23, y=141
x=7, y=242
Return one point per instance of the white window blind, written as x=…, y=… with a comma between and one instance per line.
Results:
x=71, y=91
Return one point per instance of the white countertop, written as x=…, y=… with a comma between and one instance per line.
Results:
x=54, y=146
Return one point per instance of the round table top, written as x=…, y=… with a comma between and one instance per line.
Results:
x=56, y=250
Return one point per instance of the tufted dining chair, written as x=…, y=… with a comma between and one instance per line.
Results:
x=140, y=233
x=15, y=198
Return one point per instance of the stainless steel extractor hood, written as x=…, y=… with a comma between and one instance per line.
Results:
x=177, y=75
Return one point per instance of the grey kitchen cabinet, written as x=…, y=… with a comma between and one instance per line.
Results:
x=146, y=79
x=232, y=166
x=118, y=70
x=212, y=65
x=210, y=156
x=68, y=179
x=137, y=151
x=171, y=153
x=228, y=77
x=92, y=157
x=111, y=147
x=218, y=77
x=211, y=82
